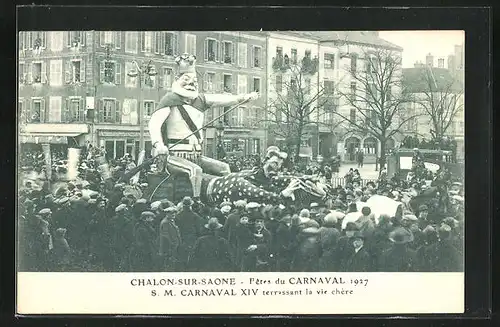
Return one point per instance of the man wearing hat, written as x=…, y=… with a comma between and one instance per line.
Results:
x=143, y=250
x=190, y=229
x=170, y=240
x=443, y=256
x=232, y=220
x=360, y=260
x=211, y=253
x=178, y=123
x=399, y=257
x=122, y=237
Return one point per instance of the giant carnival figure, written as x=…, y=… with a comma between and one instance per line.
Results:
x=176, y=127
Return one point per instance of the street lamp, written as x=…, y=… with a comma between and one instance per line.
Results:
x=219, y=133
x=146, y=70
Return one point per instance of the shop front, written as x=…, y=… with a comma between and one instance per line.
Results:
x=119, y=143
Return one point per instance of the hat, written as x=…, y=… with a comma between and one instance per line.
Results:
x=366, y=211
x=450, y=221
x=240, y=204
x=331, y=218
x=147, y=214
x=92, y=201
x=156, y=205
x=61, y=200
x=444, y=232
x=429, y=230
x=423, y=207
x=213, y=224
x=314, y=205
x=458, y=198
x=121, y=207
x=225, y=209
x=358, y=234
x=401, y=236
x=187, y=201
x=310, y=231
x=410, y=217
x=144, y=185
x=252, y=205
x=224, y=204
x=141, y=201
x=186, y=63
x=45, y=211
x=350, y=227
x=171, y=209
x=305, y=213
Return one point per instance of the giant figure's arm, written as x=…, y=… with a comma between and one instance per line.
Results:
x=155, y=123
x=221, y=100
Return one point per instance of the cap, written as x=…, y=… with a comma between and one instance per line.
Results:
x=121, y=207
x=423, y=207
x=171, y=209
x=156, y=205
x=410, y=217
x=45, y=211
x=225, y=209
x=252, y=205
x=141, y=201
x=147, y=214
x=240, y=203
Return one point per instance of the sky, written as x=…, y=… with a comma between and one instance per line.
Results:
x=417, y=44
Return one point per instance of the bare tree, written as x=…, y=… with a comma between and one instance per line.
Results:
x=441, y=101
x=298, y=104
x=376, y=97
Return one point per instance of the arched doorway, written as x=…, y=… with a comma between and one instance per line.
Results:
x=370, y=149
x=351, y=145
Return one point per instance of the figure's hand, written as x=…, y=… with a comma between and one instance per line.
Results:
x=251, y=96
x=160, y=149
x=290, y=189
x=252, y=247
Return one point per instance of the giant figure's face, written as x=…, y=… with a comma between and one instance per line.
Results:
x=272, y=166
x=186, y=85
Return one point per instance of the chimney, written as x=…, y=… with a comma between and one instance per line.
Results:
x=441, y=63
x=429, y=60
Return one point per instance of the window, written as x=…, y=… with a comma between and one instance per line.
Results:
x=354, y=63
x=131, y=42
x=191, y=44
x=146, y=41
x=22, y=73
x=353, y=91
x=228, y=52
x=75, y=111
x=108, y=110
x=56, y=41
x=329, y=87
x=37, y=110
x=256, y=84
x=20, y=111
x=55, y=109
x=171, y=43
x=242, y=84
x=209, y=82
x=307, y=88
x=38, y=72
x=75, y=38
x=242, y=55
x=149, y=107
x=56, y=72
x=168, y=77
x=228, y=83
x=110, y=72
x=105, y=38
x=129, y=112
x=211, y=50
x=329, y=59
x=129, y=80
x=77, y=71
x=294, y=56
x=257, y=57
x=279, y=52
x=279, y=83
x=352, y=115
x=38, y=40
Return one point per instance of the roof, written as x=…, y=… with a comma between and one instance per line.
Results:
x=359, y=37
x=416, y=80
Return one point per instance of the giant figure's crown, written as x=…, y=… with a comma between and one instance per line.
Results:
x=186, y=63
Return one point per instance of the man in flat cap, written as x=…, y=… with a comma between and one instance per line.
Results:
x=170, y=240
x=181, y=113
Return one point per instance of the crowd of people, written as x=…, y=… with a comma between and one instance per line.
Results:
x=87, y=225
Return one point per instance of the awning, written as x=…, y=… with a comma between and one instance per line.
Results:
x=43, y=139
x=51, y=133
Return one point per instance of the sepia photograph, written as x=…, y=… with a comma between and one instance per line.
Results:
x=240, y=152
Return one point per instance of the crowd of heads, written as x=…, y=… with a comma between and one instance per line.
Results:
x=87, y=225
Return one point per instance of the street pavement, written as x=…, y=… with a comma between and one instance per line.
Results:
x=366, y=172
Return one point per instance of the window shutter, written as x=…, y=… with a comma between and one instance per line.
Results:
x=234, y=90
x=118, y=73
x=117, y=39
x=82, y=70
x=101, y=39
x=221, y=52
x=68, y=72
x=42, y=110
x=66, y=114
x=31, y=40
x=161, y=78
x=142, y=41
x=30, y=73
x=43, y=78
x=44, y=40
x=67, y=35
x=117, y=112
x=100, y=110
x=252, y=56
x=83, y=37
x=205, y=49
x=101, y=72
x=205, y=81
x=233, y=54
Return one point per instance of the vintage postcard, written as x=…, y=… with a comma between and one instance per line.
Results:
x=240, y=172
